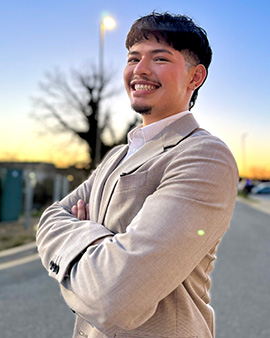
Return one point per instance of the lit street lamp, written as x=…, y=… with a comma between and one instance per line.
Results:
x=108, y=23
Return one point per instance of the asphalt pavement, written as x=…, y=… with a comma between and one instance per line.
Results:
x=241, y=278
x=31, y=305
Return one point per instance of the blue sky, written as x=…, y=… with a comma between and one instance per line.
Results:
x=38, y=36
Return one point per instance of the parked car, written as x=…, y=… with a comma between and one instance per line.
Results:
x=261, y=188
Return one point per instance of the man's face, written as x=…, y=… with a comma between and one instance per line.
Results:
x=157, y=80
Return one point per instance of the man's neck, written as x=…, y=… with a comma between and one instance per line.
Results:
x=155, y=117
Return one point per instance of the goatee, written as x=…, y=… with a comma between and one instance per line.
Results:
x=144, y=110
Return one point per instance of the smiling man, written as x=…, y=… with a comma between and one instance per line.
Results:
x=133, y=246
x=158, y=79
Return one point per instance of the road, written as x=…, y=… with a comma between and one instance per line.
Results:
x=31, y=305
x=241, y=279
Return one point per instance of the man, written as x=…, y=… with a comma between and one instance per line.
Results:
x=133, y=246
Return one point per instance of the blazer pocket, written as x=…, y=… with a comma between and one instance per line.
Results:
x=132, y=181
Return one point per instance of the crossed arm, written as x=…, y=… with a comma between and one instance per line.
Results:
x=158, y=250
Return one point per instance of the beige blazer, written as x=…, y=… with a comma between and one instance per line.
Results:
x=151, y=279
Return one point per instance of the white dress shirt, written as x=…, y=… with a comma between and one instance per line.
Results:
x=139, y=136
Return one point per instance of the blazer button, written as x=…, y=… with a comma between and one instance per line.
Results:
x=51, y=265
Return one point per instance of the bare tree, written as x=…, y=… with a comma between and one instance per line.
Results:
x=73, y=105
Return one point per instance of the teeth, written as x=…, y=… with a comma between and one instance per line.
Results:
x=144, y=87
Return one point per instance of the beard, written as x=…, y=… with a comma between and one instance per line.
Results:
x=143, y=110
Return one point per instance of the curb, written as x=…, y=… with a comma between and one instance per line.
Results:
x=255, y=203
x=17, y=249
x=18, y=255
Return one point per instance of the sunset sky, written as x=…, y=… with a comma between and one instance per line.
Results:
x=40, y=36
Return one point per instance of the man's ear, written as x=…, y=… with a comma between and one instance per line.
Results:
x=197, y=77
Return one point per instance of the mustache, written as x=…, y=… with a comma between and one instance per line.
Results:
x=137, y=78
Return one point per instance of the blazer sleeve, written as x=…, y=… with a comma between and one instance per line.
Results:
x=121, y=281
x=61, y=237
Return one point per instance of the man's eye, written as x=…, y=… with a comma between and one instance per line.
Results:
x=161, y=59
x=133, y=60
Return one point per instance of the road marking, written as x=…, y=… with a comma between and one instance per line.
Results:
x=17, y=249
x=19, y=261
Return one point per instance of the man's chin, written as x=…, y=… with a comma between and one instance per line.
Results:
x=143, y=110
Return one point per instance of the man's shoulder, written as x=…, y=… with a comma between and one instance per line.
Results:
x=204, y=143
x=201, y=136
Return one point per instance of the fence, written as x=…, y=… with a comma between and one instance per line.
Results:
x=17, y=191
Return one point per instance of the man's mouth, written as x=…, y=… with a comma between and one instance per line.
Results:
x=142, y=86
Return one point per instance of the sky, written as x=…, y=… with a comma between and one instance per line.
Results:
x=40, y=36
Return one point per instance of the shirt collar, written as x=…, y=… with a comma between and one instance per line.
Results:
x=148, y=132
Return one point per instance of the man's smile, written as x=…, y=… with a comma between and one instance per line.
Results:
x=143, y=85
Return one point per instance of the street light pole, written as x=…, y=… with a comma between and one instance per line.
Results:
x=107, y=22
x=101, y=49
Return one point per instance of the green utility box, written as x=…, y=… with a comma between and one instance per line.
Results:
x=11, y=194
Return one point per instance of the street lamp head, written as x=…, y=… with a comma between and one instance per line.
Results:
x=108, y=22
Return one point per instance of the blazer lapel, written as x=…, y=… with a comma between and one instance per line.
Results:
x=179, y=130
x=169, y=137
x=102, y=178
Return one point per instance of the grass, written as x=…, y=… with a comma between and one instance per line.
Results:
x=242, y=194
x=246, y=197
x=13, y=233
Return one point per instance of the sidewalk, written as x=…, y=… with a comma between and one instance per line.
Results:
x=257, y=202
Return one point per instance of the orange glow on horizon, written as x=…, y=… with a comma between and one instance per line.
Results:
x=257, y=164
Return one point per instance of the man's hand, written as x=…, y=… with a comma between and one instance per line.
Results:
x=81, y=210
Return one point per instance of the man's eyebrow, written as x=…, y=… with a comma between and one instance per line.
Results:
x=161, y=50
x=154, y=51
x=133, y=52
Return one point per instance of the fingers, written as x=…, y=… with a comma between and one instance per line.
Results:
x=81, y=214
x=74, y=210
x=81, y=210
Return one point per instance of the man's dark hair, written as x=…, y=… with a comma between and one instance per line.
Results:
x=178, y=31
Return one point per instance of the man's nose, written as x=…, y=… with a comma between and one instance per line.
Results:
x=143, y=67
